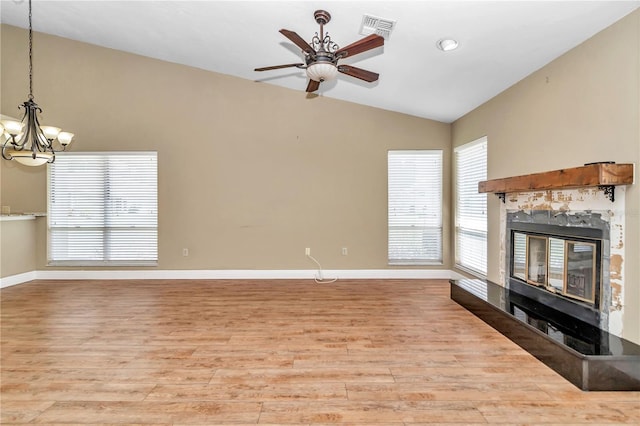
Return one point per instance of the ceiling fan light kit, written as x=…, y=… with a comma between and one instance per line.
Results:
x=322, y=71
x=322, y=55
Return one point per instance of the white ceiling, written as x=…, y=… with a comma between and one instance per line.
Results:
x=501, y=42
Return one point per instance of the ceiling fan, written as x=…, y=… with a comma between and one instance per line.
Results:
x=322, y=54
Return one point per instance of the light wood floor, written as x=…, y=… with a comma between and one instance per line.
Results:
x=273, y=352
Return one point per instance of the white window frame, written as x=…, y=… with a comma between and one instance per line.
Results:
x=414, y=206
x=103, y=209
x=471, y=208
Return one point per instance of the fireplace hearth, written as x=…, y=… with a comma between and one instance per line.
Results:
x=588, y=357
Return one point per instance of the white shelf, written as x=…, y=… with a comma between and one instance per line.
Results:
x=20, y=216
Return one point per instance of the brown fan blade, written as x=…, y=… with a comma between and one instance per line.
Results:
x=313, y=86
x=275, y=67
x=358, y=73
x=298, y=41
x=369, y=42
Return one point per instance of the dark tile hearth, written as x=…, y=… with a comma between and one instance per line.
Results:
x=588, y=357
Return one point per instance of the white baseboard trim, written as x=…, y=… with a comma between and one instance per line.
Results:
x=228, y=274
x=18, y=279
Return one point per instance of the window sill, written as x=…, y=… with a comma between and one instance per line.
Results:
x=471, y=272
x=76, y=263
x=415, y=263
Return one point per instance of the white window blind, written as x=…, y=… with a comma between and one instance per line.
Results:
x=415, y=206
x=471, y=207
x=103, y=209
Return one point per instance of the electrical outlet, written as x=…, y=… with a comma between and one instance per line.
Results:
x=345, y=251
x=185, y=252
x=307, y=251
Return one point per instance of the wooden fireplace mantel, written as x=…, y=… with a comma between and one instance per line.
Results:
x=603, y=175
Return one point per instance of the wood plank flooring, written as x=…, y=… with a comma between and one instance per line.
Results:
x=359, y=352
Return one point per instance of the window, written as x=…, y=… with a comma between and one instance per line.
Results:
x=103, y=209
x=471, y=207
x=415, y=207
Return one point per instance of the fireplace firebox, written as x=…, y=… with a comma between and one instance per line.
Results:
x=564, y=265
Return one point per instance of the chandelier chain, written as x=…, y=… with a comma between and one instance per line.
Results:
x=30, y=55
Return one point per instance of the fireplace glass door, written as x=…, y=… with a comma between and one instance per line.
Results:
x=559, y=265
x=580, y=270
x=556, y=264
x=537, y=260
x=519, y=266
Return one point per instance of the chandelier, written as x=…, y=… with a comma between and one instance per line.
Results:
x=27, y=141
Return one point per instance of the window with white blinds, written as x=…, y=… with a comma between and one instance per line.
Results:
x=471, y=207
x=415, y=206
x=103, y=209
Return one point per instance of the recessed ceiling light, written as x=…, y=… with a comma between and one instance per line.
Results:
x=447, y=44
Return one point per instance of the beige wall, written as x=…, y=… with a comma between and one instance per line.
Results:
x=17, y=246
x=582, y=107
x=249, y=174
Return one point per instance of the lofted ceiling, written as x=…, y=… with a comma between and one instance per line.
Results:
x=501, y=42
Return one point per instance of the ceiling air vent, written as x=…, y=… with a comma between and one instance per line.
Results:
x=375, y=25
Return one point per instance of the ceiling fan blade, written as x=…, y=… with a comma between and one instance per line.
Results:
x=298, y=41
x=358, y=73
x=369, y=42
x=276, y=67
x=313, y=86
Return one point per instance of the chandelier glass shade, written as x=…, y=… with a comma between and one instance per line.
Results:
x=27, y=141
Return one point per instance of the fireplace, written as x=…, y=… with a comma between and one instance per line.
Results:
x=558, y=259
x=577, y=213
x=560, y=292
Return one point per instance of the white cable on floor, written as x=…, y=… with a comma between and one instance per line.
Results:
x=319, y=279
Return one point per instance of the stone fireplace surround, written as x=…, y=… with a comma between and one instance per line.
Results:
x=581, y=343
x=575, y=212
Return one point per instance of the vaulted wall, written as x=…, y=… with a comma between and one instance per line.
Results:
x=583, y=107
